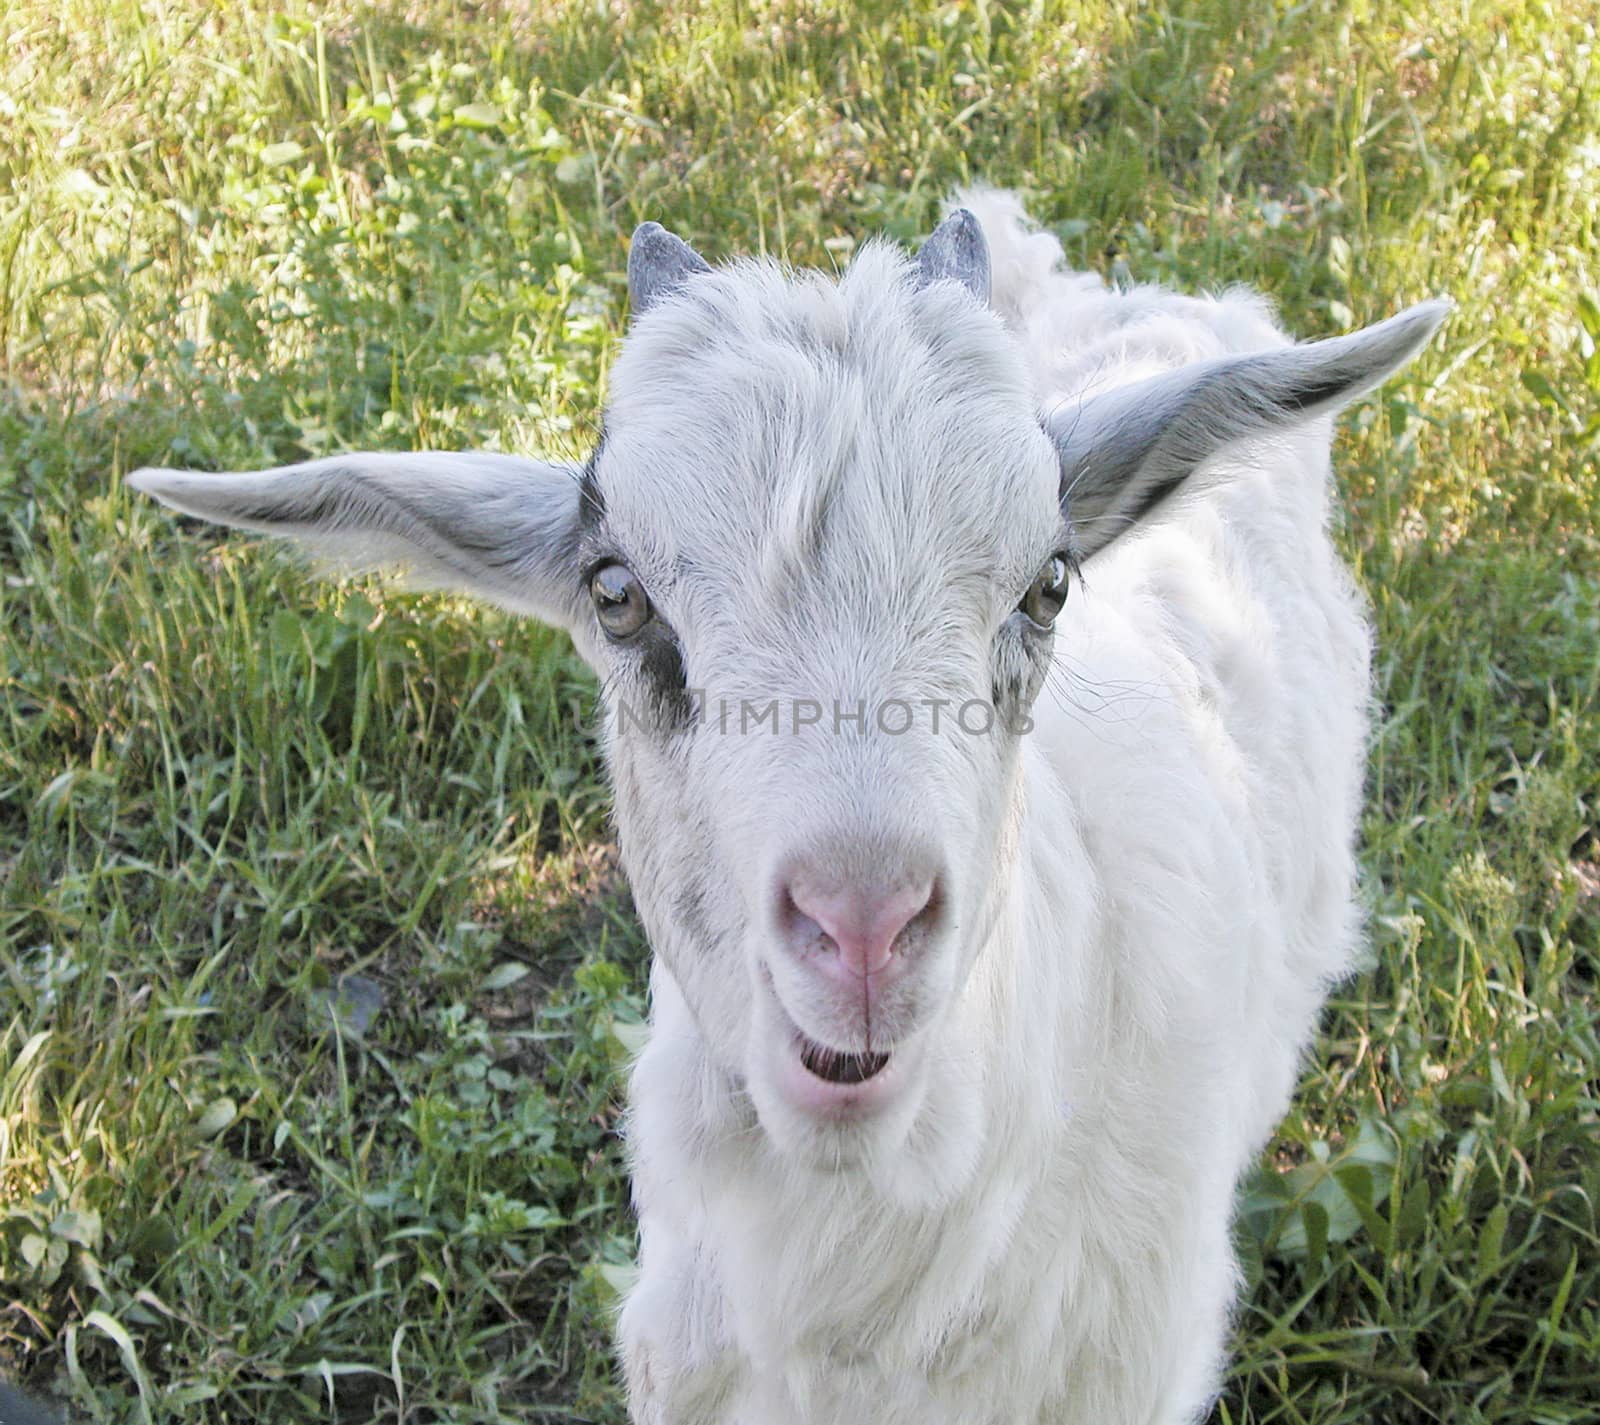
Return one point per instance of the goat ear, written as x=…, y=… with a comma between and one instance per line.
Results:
x=495, y=526
x=956, y=252
x=659, y=262
x=1126, y=452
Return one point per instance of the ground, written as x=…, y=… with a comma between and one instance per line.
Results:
x=315, y=969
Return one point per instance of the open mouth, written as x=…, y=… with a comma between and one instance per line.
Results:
x=834, y=1066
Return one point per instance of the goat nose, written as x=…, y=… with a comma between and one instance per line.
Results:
x=862, y=922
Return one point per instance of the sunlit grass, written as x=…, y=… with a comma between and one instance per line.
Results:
x=314, y=971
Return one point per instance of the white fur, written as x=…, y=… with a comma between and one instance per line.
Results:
x=1175, y=894
x=839, y=491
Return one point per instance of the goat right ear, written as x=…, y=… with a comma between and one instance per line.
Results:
x=495, y=526
x=1124, y=453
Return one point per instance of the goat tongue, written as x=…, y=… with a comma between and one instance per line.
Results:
x=838, y=1067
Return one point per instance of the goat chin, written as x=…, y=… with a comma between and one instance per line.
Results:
x=962, y=1032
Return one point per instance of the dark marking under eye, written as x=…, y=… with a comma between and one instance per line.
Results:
x=691, y=904
x=1013, y=693
x=661, y=663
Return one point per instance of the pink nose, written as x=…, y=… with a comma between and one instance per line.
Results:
x=863, y=922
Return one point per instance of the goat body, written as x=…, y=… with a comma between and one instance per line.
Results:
x=960, y=1040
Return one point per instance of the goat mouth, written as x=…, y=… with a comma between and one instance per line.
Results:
x=835, y=1066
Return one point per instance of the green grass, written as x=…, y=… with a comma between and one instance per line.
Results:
x=238, y=807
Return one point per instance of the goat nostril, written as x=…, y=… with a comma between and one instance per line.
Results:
x=797, y=928
x=863, y=926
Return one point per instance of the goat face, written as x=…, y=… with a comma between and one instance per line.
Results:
x=825, y=547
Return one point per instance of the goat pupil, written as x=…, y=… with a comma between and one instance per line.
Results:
x=619, y=600
x=1048, y=592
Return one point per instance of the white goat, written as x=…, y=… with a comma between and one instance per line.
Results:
x=986, y=940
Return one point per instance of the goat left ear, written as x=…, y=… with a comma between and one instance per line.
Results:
x=1124, y=453
x=956, y=252
x=498, y=527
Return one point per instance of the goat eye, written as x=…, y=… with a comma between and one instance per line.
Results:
x=620, y=602
x=1048, y=592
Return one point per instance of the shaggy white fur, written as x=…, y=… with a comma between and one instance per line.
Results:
x=988, y=1180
